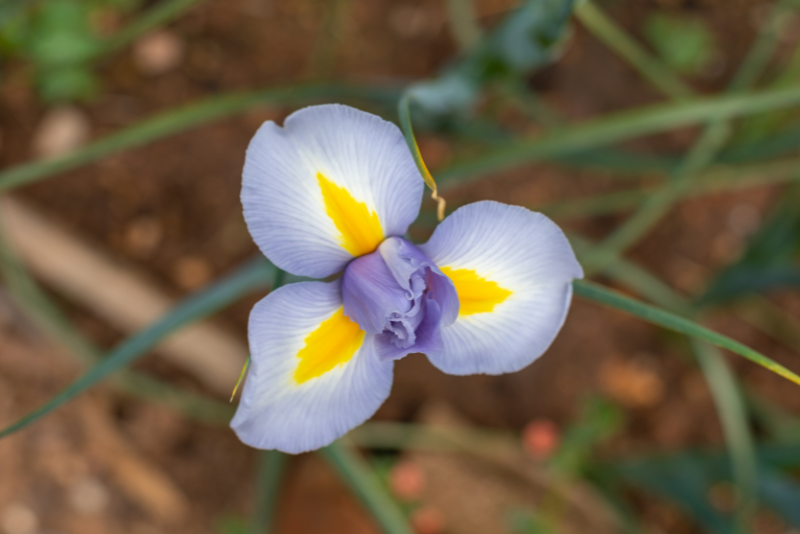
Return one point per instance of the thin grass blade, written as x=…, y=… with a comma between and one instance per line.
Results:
x=610, y=129
x=185, y=118
x=42, y=310
x=738, y=438
x=270, y=468
x=671, y=321
x=355, y=472
x=257, y=274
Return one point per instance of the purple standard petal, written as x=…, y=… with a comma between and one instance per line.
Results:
x=400, y=295
x=428, y=335
x=408, y=264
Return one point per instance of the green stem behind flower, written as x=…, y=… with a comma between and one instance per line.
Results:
x=359, y=477
x=671, y=321
x=616, y=128
x=158, y=15
x=649, y=66
x=35, y=303
x=404, y=112
x=255, y=275
x=182, y=119
x=271, y=465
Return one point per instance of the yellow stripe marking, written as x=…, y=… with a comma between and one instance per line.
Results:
x=333, y=343
x=475, y=293
x=360, y=229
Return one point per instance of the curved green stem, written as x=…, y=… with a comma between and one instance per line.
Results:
x=42, y=310
x=255, y=275
x=404, y=112
x=463, y=23
x=712, y=181
x=358, y=476
x=676, y=323
x=182, y=119
x=619, y=127
x=271, y=465
x=649, y=66
x=270, y=468
x=156, y=16
x=703, y=153
x=657, y=204
x=739, y=439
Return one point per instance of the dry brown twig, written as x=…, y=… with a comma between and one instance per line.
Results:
x=118, y=295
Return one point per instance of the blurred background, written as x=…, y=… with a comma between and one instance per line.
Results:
x=660, y=134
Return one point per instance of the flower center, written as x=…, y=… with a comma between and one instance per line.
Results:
x=401, y=297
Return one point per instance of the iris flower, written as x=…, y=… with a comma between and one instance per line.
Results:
x=332, y=192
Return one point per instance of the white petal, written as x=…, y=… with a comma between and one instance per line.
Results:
x=283, y=200
x=279, y=412
x=530, y=260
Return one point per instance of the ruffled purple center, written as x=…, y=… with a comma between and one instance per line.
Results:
x=398, y=294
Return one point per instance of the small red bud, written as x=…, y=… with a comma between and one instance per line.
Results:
x=406, y=480
x=427, y=520
x=540, y=438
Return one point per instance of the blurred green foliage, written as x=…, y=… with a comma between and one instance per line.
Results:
x=527, y=522
x=693, y=480
x=532, y=36
x=62, y=42
x=684, y=43
x=770, y=261
x=598, y=421
x=60, y=39
x=232, y=524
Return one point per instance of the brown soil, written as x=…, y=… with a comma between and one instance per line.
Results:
x=187, y=188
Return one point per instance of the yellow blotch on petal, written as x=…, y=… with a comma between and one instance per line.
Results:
x=333, y=343
x=475, y=293
x=360, y=229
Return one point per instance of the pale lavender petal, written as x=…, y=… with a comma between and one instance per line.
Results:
x=283, y=203
x=521, y=251
x=278, y=413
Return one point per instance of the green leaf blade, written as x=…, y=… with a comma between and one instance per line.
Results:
x=255, y=275
x=676, y=323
